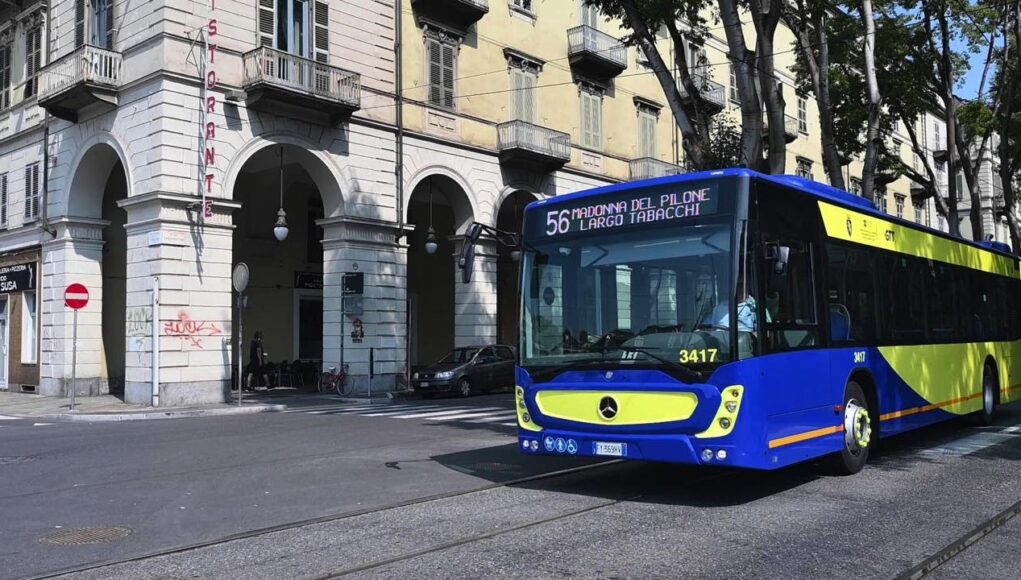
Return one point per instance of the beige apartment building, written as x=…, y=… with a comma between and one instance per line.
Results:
x=338, y=148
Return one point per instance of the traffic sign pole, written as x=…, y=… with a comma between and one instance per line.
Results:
x=74, y=360
x=76, y=296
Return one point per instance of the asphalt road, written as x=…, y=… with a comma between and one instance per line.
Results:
x=415, y=491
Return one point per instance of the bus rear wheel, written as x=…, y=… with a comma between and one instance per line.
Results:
x=988, y=414
x=858, y=431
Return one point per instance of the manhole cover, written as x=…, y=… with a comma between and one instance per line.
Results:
x=83, y=536
x=15, y=459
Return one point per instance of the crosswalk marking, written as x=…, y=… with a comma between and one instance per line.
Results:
x=8, y=418
x=436, y=413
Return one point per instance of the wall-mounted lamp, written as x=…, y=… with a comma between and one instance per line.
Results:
x=430, y=235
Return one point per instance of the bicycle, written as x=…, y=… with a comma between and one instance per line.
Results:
x=333, y=380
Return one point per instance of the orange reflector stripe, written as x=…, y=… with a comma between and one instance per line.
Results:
x=805, y=436
x=816, y=433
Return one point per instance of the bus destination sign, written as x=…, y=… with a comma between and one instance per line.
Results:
x=638, y=208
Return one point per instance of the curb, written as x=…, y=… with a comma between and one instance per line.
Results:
x=171, y=414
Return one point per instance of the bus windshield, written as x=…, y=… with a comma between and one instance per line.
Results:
x=662, y=293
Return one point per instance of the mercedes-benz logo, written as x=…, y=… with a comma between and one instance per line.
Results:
x=608, y=408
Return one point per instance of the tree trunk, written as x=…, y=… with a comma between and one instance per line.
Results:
x=873, y=140
x=947, y=96
x=801, y=20
x=765, y=17
x=694, y=145
x=751, y=109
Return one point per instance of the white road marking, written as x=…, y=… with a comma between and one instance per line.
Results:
x=461, y=416
x=973, y=443
x=41, y=424
x=442, y=414
x=8, y=418
x=495, y=418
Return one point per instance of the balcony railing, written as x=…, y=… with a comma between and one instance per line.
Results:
x=790, y=127
x=587, y=43
x=533, y=139
x=89, y=65
x=282, y=70
x=713, y=93
x=648, y=167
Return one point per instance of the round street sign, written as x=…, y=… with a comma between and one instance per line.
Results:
x=240, y=277
x=76, y=296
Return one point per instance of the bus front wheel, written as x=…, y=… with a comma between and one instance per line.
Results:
x=858, y=431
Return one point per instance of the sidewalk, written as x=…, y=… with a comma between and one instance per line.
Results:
x=110, y=408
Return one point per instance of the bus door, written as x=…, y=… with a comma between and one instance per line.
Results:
x=795, y=369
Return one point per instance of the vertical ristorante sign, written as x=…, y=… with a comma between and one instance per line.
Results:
x=210, y=81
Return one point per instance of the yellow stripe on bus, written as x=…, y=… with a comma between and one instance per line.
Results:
x=860, y=228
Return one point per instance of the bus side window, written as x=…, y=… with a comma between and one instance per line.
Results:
x=851, y=296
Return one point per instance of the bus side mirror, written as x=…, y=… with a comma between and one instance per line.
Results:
x=466, y=261
x=778, y=255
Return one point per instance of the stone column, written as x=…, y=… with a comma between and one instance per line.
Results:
x=475, y=302
x=75, y=254
x=193, y=259
x=369, y=247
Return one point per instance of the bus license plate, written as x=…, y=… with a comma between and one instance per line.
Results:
x=609, y=449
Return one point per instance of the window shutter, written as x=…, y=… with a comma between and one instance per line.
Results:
x=108, y=5
x=322, y=32
x=435, y=72
x=28, y=192
x=589, y=15
x=529, y=100
x=79, y=23
x=448, y=75
x=597, y=121
x=5, y=76
x=267, y=22
x=517, y=95
x=586, y=119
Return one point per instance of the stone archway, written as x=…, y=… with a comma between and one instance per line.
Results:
x=442, y=313
x=509, y=218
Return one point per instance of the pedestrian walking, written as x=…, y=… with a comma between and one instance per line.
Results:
x=256, y=362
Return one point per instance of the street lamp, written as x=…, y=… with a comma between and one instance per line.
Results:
x=280, y=229
x=430, y=234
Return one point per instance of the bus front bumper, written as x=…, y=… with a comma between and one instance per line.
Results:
x=673, y=448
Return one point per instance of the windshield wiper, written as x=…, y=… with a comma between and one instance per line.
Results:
x=683, y=370
x=547, y=374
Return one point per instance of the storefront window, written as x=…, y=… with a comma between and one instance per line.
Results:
x=28, y=327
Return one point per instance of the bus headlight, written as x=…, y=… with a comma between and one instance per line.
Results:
x=707, y=455
x=525, y=418
x=724, y=422
x=731, y=406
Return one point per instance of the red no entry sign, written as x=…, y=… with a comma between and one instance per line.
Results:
x=76, y=296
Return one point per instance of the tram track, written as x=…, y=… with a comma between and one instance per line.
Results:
x=958, y=546
x=95, y=566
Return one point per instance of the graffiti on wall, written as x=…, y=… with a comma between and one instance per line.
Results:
x=191, y=332
x=139, y=321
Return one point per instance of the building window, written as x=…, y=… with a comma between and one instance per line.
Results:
x=523, y=81
x=522, y=5
x=804, y=169
x=5, y=74
x=733, y=95
x=928, y=217
x=33, y=55
x=856, y=186
x=881, y=198
x=442, y=58
x=897, y=149
x=939, y=222
x=101, y=23
x=936, y=141
x=591, y=118
x=899, y=200
x=959, y=179
x=802, y=116
x=31, y=192
x=28, y=327
x=918, y=213
x=3, y=200
x=647, y=119
x=589, y=14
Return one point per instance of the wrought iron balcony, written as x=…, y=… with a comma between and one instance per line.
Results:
x=86, y=76
x=273, y=78
x=596, y=53
x=518, y=141
x=460, y=13
x=790, y=127
x=649, y=167
x=714, y=95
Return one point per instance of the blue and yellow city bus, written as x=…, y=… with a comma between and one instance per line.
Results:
x=733, y=318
